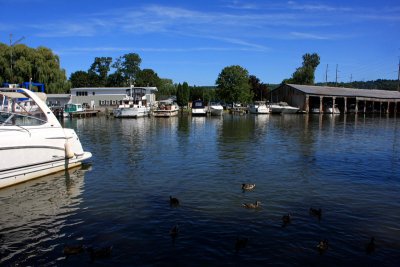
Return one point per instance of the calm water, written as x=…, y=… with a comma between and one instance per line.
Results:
x=348, y=166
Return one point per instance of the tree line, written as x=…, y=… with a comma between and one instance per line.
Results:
x=19, y=63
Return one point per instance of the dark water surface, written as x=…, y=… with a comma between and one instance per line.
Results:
x=349, y=166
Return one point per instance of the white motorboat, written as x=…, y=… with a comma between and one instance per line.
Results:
x=216, y=109
x=332, y=110
x=259, y=107
x=33, y=144
x=136, y=103
x=282, y=107
x=315, y=110
x=166, y=109
x=198, y=108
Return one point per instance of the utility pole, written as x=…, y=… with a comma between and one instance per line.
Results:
x=326, y=75
x=398, y=77
x=336, y=74
x=11, y=54
x=351, y=78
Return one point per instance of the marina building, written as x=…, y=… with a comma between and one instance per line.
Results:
x=318, y=99
x=108, y=97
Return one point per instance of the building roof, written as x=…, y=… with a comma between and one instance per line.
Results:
x=152, y=88
x=348, y=92
x=58, y=95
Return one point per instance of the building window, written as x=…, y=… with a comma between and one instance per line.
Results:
x=93, y=93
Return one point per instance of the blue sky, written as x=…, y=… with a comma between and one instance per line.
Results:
x=193, y=41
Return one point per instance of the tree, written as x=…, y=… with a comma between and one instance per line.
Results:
x=147, y=77
x=100, y=68
x=260, y=90
x=306, y=73
x=40, y=64
x=79, y=79
x=233, y=85
x=128, y=65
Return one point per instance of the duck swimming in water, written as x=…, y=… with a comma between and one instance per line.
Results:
x=73, y=250
x=241, y=243
x=370, y=247
x=286, y=219
x=322, y=246
x=174, y=232
x=173, y=201
x=248, y=186
x=252, y=205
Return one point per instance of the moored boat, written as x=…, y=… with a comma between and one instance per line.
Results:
x=70, y=109
x=33, y=144
x=283, y=107
x=331, y=109
x=216, y=109
x=259, y=107
x=136, y=103
x=166, y=109
x=198, y=108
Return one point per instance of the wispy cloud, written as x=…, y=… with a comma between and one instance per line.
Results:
x=308, y=36
x=246, y=29
x=316, y=7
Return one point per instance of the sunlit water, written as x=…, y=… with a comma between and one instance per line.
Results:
x=349, y=166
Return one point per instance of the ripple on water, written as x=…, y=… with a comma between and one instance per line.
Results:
x=345, y=165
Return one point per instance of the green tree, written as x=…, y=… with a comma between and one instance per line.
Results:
x=306, y=73
x=128, y=65
x=260, y=90
x=116, y=80
x=100, y=68
x=147, y=77
x=166, y=89
x=233, y=85
x=40, y=64
x=79, y=79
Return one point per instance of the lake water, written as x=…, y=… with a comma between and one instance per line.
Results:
x=349, y=166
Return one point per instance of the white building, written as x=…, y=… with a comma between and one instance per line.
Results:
x=108, y=97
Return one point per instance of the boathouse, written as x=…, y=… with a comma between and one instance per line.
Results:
x=315, y=98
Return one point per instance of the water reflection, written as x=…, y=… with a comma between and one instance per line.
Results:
x=32, y=214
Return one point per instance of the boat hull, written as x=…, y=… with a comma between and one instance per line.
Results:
x=33, y=152
x=216, y=111
x=134, y=112
x=19, y=175
x=199, y=112
x=165, y=113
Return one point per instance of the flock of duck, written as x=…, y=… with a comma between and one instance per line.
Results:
x=240, y=243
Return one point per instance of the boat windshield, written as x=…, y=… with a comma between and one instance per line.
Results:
x=19, y=110
x=18, y=119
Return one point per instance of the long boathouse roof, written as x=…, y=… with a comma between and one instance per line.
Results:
x=346, y=92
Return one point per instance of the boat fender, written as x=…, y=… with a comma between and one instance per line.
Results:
x=69, y=154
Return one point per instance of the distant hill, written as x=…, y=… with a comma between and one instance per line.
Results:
x=379, y=84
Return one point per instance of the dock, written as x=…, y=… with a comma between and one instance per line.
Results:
x=84, y=114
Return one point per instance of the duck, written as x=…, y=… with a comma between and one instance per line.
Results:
x=322, y=246
x=316, y=212
x=100, y=253
x=370, y=247
x=173, y=201
x=248, y=186
x=174, y=231
x=73, y=250
x=241, y=243
x=286, y=219
x=252, y=205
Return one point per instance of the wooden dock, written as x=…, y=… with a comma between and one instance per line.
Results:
x=84, y=114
